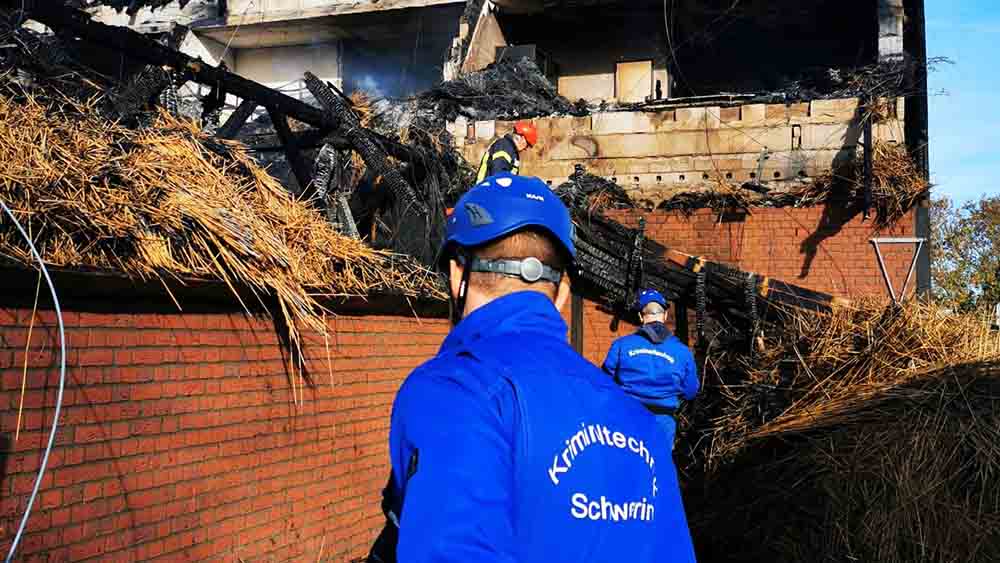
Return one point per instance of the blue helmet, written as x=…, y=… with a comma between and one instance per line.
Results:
x=502, y=204
x=648, y=296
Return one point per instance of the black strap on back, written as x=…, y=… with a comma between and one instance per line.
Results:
x=528, y=269
x=384, y=548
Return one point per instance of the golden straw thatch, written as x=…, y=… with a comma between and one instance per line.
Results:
x=870, y=434
x=169, y=201
x=897, y=184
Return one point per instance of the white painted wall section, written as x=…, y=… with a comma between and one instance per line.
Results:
x=282, y=67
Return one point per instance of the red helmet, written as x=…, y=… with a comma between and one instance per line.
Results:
x=527, y=130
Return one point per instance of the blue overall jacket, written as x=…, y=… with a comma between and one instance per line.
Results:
x=509, y=446
x=656, y=368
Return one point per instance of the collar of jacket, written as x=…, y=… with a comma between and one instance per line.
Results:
x=522, y=311
x=655, y=332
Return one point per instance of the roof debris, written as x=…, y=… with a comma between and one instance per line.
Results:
x=131, y=7
x=508, y=89
x=170, y=202
x=868, y=433
x=889, y=78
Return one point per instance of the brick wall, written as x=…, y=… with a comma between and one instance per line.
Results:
x=819, y=248
x=823, y=249
x=180, y=441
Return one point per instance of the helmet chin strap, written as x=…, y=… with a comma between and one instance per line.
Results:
x=457, y=303
x=529, y=270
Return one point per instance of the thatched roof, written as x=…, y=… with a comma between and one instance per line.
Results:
x=866, y=435
x=168, y=201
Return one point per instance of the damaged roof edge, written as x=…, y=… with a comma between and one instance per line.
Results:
x=235, y=20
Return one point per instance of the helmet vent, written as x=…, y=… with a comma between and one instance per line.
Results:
x=478, y=216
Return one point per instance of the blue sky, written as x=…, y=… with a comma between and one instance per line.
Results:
x=965, y=97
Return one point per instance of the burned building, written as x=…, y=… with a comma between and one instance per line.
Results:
x=393, y=48
x=738, y=156
x=756, y=100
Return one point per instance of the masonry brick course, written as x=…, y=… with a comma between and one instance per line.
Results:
x=180, y=440
x=776, y=243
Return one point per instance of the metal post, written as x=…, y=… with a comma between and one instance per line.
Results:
x=576, y=324
x=869, y=148
x=916, y=126
x=681, y=321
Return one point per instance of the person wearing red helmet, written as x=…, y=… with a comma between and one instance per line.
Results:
x=504, y=155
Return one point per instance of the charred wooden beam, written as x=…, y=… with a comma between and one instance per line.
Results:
x=298, y=163
x=176, y=36
x=869, y=148
x=681, y=321
x=725, y=282
x=330, y=189
x=133, y=97
x=603, y=256
x=326, y=172
x=362, y=141
x=137, y=46
x=306, y=140
x=316, y=138
x=237, y=119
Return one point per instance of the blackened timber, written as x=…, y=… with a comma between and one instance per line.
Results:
x=869, y=148
x=916, y=127
x=681, y=321
x=326, y=172
x=137, y=46
x=133, y=97
x=576, y=324
x=298, y=163
x=364, y=143
x=603, y=256
x=237, y=119
x=176, y=36
x=316, y=138
x=306, y=140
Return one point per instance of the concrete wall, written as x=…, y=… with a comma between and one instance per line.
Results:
x=684, y=149
x=275, y=10
x=276, y=67
x=486, y=38
x=208, y=50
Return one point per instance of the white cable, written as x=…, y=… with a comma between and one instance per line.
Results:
x=62, y=384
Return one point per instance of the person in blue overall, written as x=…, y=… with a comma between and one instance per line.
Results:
x=508, y=446
x=653, y=365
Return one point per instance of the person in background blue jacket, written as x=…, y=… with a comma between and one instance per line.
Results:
x=653, y=365
x=508, y=446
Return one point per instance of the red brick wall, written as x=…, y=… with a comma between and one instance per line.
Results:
x=777, y=243
x=179, y=439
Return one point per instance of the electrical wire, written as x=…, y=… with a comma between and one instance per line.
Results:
x=670, y=42
x=62, y=384
x=236, y=31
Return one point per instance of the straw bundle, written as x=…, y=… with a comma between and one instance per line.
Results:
x=897, y=184
x=866, y=435
x=169, y=201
